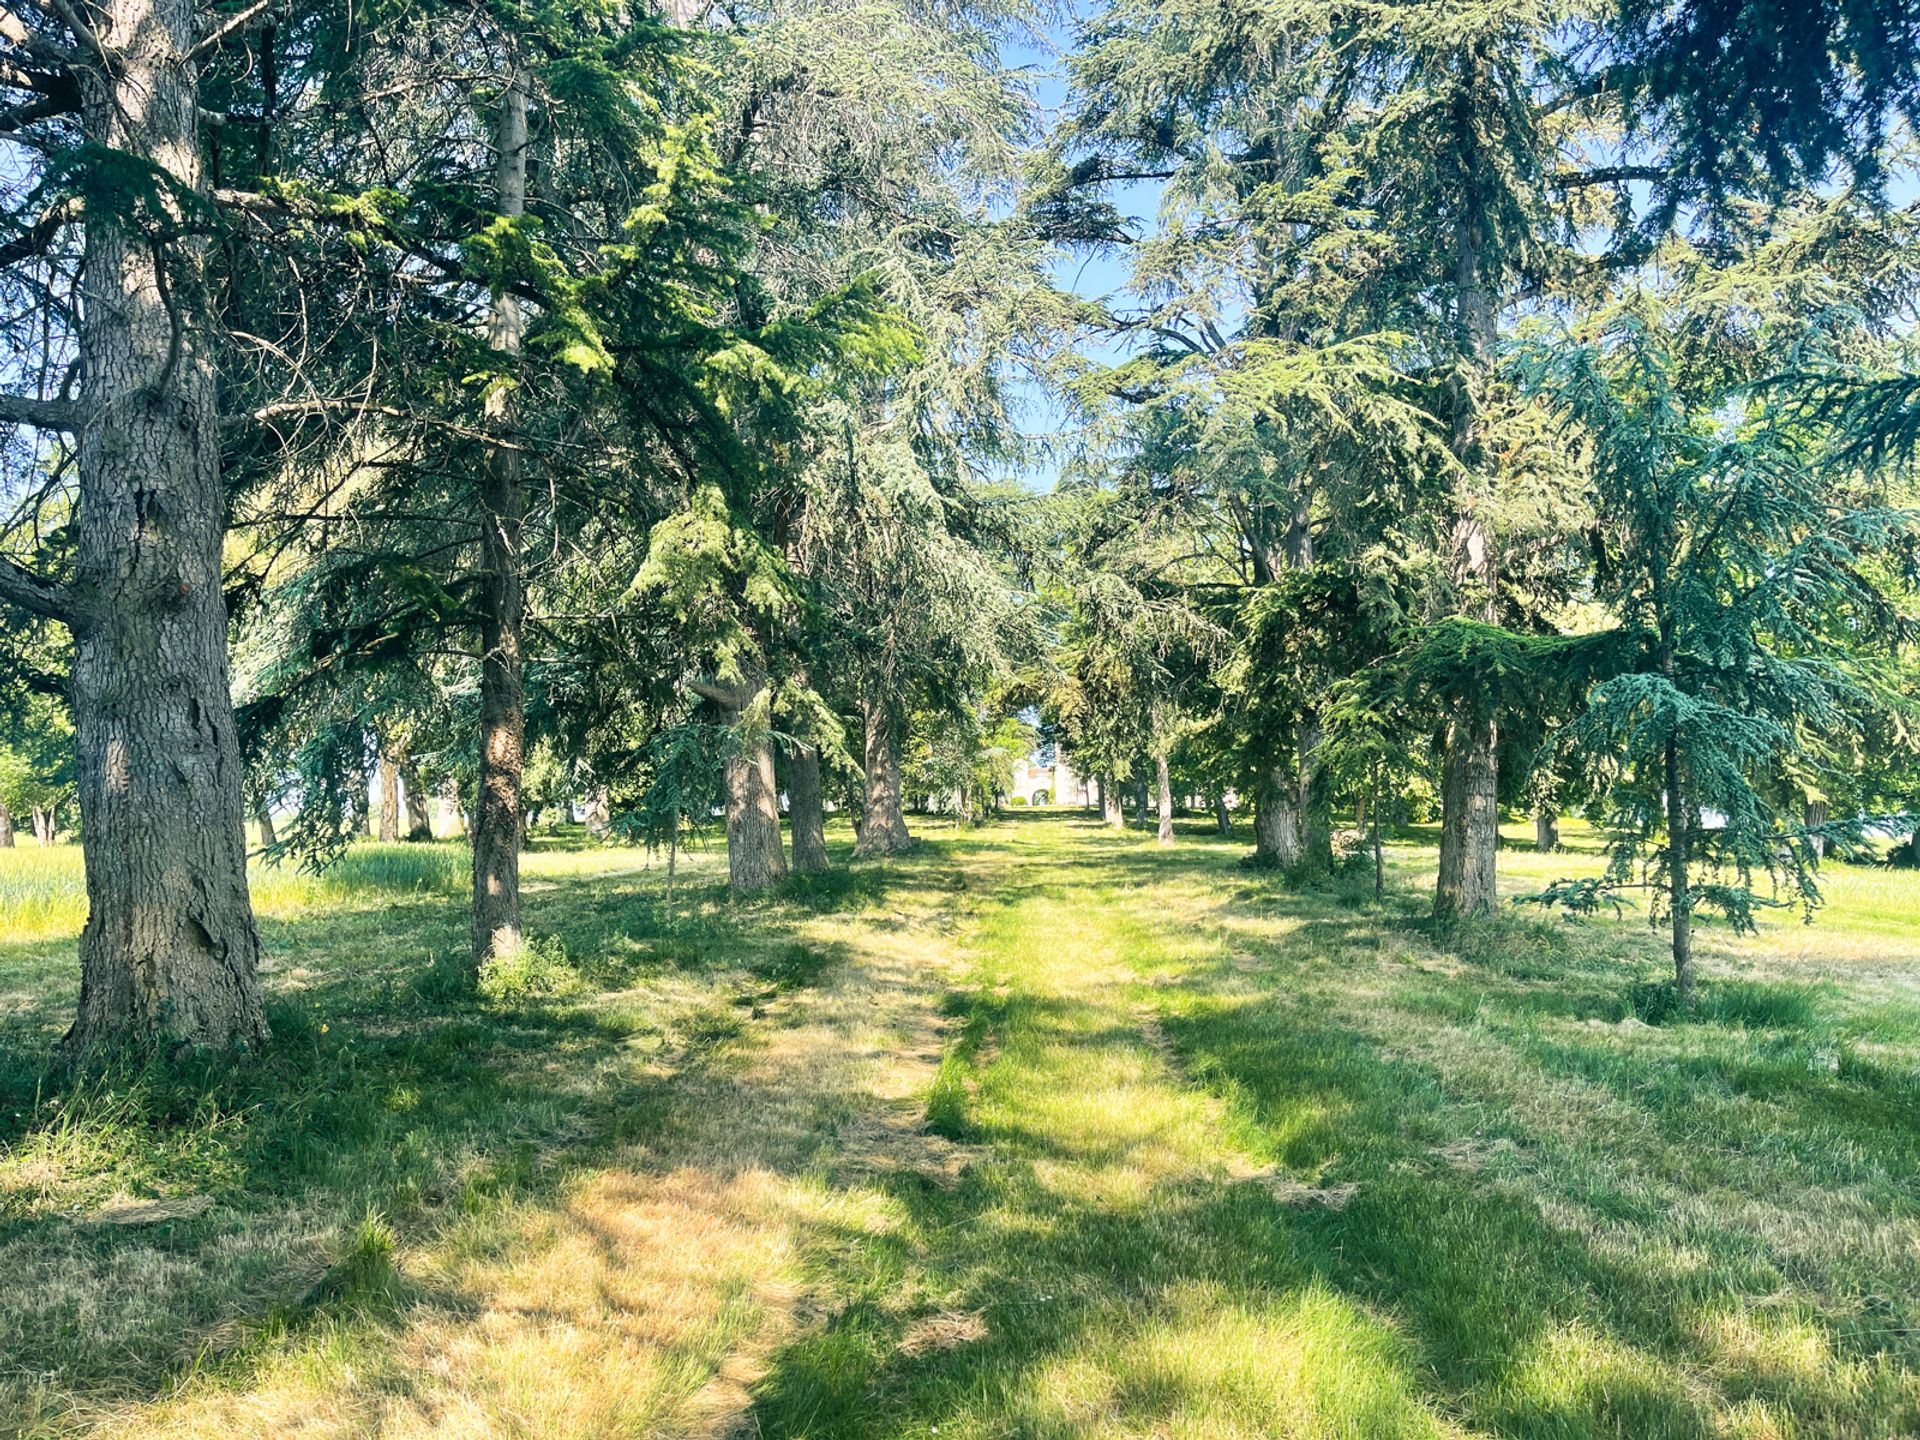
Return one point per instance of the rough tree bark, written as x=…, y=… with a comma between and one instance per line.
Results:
x=495, y=920
x=806, y=810
x=883, y=824
x=44, y=830
x=1277, y=837
x=1164, y=784
x=1470, y=775
x=170, y=953
x=755, y=858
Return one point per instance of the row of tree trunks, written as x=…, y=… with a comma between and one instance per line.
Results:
x=883, y=823
x=495, y=923
x=170, y=953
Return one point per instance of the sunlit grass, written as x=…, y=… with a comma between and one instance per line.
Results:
x=1041, y=1132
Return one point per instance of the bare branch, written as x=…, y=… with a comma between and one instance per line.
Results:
x=236, y=22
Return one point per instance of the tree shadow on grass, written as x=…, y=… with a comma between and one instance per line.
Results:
x=390, y=1086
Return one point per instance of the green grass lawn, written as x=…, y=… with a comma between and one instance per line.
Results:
x=1043, y=1131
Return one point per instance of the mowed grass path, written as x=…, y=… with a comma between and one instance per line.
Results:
x=1042, y=1132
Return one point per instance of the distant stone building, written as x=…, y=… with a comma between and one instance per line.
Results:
x=1042, y=784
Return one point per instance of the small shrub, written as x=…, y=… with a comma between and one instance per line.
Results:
x=1017, y=800
x=539, y=969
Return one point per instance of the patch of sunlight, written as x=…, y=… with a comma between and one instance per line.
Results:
x=1206, y=1364
x=1574, y=1380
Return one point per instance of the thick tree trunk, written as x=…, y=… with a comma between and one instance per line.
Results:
x=1164, y=783
x=419, y=822
x=389, y=831
x=883, y=828
x=6, y=827
x=44, y=829
x=1277, y=838
x=1546, y=830
x=807, y=810
x=1114, y=814
x=170, y=953
x=502, y=599
x=1470, y=818
x=755, y=858
x=1222, y=816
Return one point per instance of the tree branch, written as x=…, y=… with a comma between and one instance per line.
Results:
x=34, y=593
x=236, y=22
x=41, y=414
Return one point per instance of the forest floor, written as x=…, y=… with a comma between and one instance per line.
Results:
x=1042, y=1132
